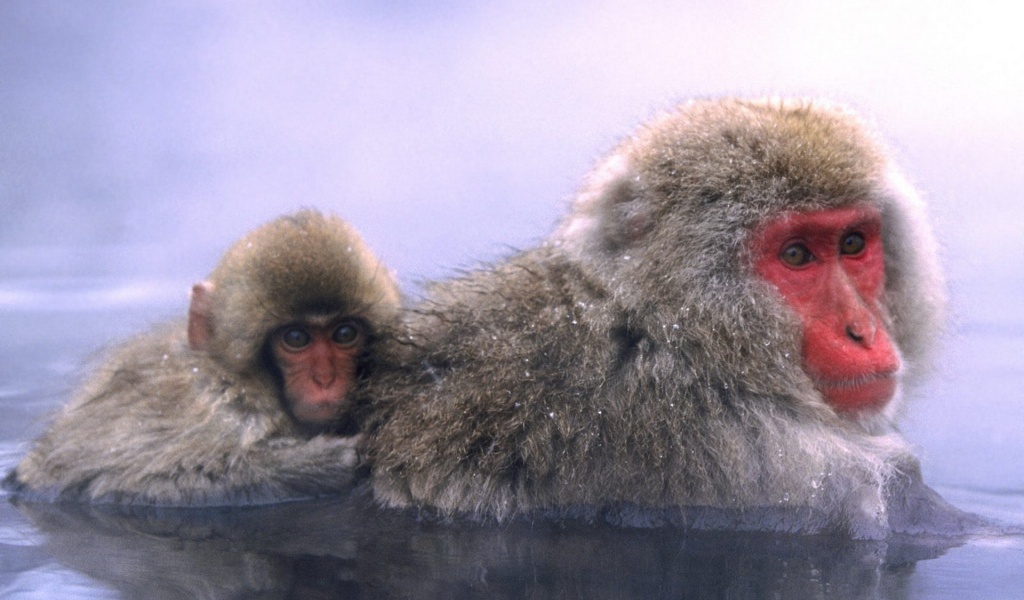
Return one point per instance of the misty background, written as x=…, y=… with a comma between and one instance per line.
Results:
x=139, y=139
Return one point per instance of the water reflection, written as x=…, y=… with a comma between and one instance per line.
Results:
x=343, y=547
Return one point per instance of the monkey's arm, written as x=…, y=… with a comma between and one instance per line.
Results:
x=304, y=468
x=187, y=472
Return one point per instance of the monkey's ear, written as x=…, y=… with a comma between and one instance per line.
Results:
x=200, y=316
x=612, y=211
x=626, y=217
x=625, y=212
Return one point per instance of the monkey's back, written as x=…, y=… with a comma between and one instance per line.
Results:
x=486, y=405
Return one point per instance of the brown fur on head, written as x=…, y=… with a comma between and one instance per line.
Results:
x=677, y=202
x=298, y=265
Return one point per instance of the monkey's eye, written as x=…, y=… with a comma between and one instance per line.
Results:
x=295, y=338
x=852, y=244
x=346, y=334
x=796, y=255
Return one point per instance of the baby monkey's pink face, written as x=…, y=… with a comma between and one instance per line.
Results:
x=318, y=367
x=829, y=267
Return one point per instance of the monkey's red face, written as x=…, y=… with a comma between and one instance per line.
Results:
x=829, y=267
x=318, y=366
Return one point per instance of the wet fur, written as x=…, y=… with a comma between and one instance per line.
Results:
x=160, y=423
x=633, y=361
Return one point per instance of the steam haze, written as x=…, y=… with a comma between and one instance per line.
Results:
x=138, y=139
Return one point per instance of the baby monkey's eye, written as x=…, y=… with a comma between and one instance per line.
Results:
x=346, y=334
x=295, y=338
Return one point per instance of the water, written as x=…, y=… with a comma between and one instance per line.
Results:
x=342, y=549
x=137, y=140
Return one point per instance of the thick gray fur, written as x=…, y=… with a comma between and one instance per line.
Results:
x=631, y=363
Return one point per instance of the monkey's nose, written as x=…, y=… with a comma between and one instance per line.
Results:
x=861, y=333
x=323, y=375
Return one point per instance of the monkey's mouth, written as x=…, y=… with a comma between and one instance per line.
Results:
x=864, y=392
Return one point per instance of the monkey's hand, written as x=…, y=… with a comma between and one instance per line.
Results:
x=322, y=465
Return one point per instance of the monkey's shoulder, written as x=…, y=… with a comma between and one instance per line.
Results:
x=524, y=296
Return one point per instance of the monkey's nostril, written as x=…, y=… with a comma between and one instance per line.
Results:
x=854, y=334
